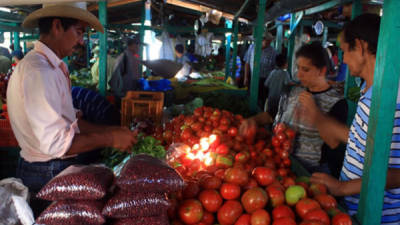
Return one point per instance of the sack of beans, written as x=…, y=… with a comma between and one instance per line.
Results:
x=71, y=212
x=78, y=182
x=144, y=173
x=140, y=204
x=154, y=220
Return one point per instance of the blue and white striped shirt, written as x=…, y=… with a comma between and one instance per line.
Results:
x=354, y=159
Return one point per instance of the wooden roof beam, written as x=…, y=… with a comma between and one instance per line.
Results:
x=112, y=3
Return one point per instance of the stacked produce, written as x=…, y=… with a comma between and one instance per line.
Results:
x=141, y=196
x=233, y=179
x=4, y=113
x=77, y=193
x=4, y=78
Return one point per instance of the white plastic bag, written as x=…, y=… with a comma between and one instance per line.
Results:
x=167, y=50
x=14, y=209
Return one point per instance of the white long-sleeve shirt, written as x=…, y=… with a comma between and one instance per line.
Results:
x=40, y=106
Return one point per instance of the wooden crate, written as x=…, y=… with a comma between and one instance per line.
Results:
x=7, y=136
x=142, y=105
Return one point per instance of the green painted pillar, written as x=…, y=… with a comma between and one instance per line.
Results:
x=350, y=81
x=103, y=48
x=88, y=49
x=257, y=54
x=16, y=41
x=279, y=37
x=383, y=105
x=24, y=45
x=291, y=43
x=141, y=33
x=148, y=23
x=325, y=36
x=235, y=47
x=228, y=25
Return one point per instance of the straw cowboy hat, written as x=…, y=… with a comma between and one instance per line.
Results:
x=75, y=10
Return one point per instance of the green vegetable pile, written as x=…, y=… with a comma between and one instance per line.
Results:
x=145, y=145
x=82, y=78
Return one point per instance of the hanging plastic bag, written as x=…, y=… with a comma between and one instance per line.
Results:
x=167, y=50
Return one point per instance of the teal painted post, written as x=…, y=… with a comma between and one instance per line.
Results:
x=257, y=54
x=235, y=47
x=350, y=81
x=24, y=46
x=279, y=38
x=148, y=23
x=88, y=49
x=16, y=41
x=228, y=24
x=325, y=36
x=103, y=48
x=291, y=43
x=380, y=126
x=141, y=33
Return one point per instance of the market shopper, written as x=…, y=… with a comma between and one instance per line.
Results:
x=180, y=56
x=309, y=147
x=126, y=74
x=359, y=41
x=40, y=106
x=276, y=84
x=267, y=64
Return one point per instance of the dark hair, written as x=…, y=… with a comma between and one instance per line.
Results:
x=179, y=48
x=133, y=40
x=316, y=53
x=364, y=27
x=17, y=54
x=46, y=23
x=280, y=60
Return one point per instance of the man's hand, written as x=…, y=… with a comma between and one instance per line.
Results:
x=309, y=111
x=247, y=125
x=333, y=185
x=123, y=138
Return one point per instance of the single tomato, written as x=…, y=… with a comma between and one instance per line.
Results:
x=211, y=200
x=229, y=212
x=191, y=211
x=230, y=191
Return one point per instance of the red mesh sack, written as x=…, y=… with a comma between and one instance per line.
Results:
x=78, y=182
x=140, y=204
x=154, y=220
x=144, y=173
x=71, y=212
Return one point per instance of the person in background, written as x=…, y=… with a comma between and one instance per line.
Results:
x=4, y=51
x=180, y=56
x=17, y=56
x=5, y=64
x=126, y=74
x=94, y=107
x=267, y=64
x=238, y=71
x=276, y=84
x=309, y=146
x=359, y=43
x=95, y=68
x=42, y=116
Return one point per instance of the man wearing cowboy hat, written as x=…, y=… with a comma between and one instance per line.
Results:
x=267, y=64
x=42, y=117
